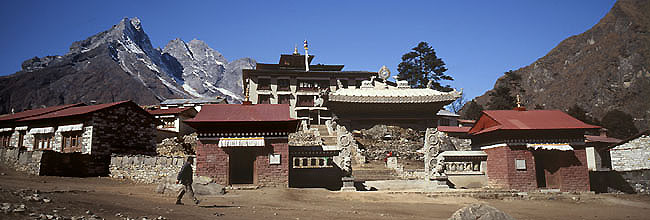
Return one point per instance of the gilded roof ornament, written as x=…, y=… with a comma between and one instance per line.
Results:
x=384, y=73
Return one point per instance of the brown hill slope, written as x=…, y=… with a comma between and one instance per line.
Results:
x=602, y=69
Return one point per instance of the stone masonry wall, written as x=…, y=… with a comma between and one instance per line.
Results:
x=123, y=130
x=501, y=169
x=212, y=161
x=144, y=169
x=633, y=155
x=575, y=176
x=273, y=174
x=25, y=161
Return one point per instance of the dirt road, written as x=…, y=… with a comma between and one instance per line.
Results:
x=110, y=199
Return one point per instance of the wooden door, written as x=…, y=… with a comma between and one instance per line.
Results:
x=553, y=178
x=242, y=166
x=547, y=165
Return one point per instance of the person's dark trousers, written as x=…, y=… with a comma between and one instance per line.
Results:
x=181, y=192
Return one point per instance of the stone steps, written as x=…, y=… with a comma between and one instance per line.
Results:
x=372, y=175
x=373, y=171
x=329, y=140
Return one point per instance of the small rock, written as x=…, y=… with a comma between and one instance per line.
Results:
x=118, y=214
x=160, y=218
x=218, y=214
x=46, y=200
x=275, y=213
x=88, y=212
x=49, y=216
x=2, y=174
x=18, y=210
x=382, y=215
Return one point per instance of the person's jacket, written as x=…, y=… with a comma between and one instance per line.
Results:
x=185, y=175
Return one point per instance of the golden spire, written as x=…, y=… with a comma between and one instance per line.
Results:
x=295, y=49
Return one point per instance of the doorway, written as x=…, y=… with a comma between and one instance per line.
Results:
x=547, y=169
x=242, y=166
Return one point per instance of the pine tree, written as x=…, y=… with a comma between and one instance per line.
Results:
x=619, y=124
x=474, y=111
x=500, y=99
x=421, y=65
x=577, y=112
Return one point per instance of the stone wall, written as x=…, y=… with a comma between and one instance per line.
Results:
x=633, y=155
x=25, y=161
x=143, y=168
x=52, y=163
x=501, y=170
x=636, y=181
x=123, y=130
x=570, y=165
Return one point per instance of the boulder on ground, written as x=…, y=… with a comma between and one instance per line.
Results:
x=480, y=212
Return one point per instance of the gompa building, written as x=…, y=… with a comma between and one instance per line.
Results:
x=301, y=85
x=529, y=150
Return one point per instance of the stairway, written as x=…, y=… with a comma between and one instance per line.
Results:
x=375, y=170
x=328, y=139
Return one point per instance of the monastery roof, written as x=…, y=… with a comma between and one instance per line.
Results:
x=76, y=111
x=392, y=95
x=36, y=112
x=243, y=113
x=170, y=111
x=192, y=101
x=444, y=112
x=453, y=129
x=601, y=139
x=493, y=120
x=466, y=121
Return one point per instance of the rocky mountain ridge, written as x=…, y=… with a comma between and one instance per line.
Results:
x=121, y=63
x=603, y=69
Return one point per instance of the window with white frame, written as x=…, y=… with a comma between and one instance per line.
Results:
x=43, y=141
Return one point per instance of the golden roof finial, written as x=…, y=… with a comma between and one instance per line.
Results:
x=295, y=49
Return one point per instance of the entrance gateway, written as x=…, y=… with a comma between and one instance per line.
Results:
x=243, y=144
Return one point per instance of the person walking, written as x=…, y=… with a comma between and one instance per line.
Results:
x=185, y=178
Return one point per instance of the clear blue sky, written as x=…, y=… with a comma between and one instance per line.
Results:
x=478, y=40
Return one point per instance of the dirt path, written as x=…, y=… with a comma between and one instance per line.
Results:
x=111, y=199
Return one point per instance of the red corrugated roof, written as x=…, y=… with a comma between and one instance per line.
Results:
x=466, y=121
x=602, y=139
x=454, y=129
x=492, y=120
x=75, y=111
x=36, y=112
x=242, y=113
x=169, y=111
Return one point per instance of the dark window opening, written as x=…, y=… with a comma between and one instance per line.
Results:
x=264, y=84
x=264, y=99
x=283, y=85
